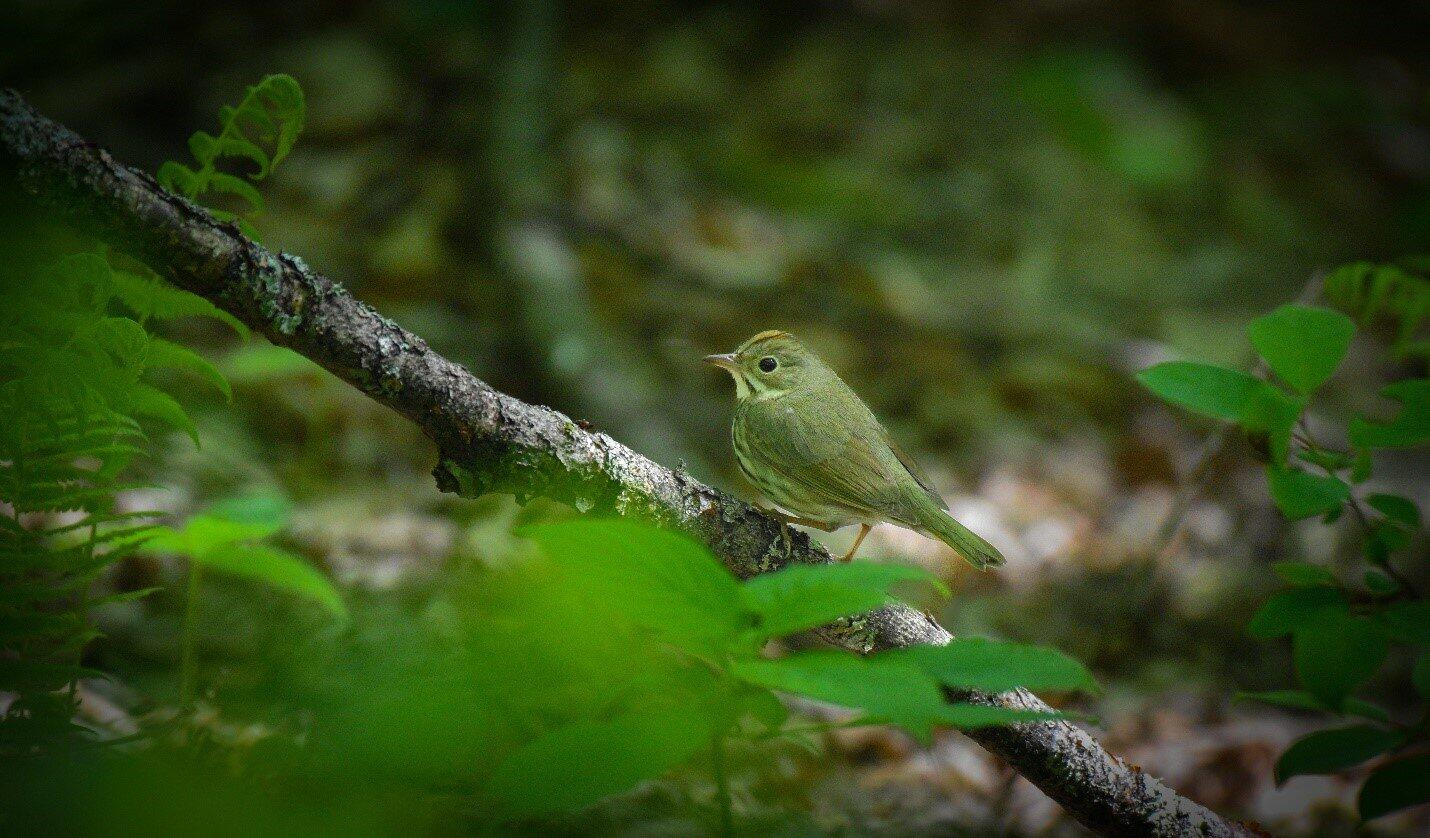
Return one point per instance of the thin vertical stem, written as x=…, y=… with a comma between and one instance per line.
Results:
x=722, y=785
x=191, y=619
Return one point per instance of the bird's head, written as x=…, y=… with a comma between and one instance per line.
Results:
x=770, y=364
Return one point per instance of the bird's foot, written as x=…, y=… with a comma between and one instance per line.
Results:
x=858, y=539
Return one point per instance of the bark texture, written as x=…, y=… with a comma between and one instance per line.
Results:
x=492, y=442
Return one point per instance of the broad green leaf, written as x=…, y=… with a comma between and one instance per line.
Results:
x=1213, y=391
x=803, y=597
x=1330, y=751
x=1300, y=494
x=163, y=353
x=763, y=705
x=1286, y=611
x=205, y=531
x=1410, y=427
x=1337, y=652
x=1402, y=511
x=275, y=567
x=976, y=663
x=260, y=364
x=264, y=508
x=1396, y=785
x=661, y=580
x=1302, y=574
x=1302, y=344
x=572, y=767
x=1421, y=675
x=886, y=689
x=1408, y=622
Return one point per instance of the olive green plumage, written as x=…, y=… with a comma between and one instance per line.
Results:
x=816, y=450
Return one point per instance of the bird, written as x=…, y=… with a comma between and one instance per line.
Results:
x=807, y=441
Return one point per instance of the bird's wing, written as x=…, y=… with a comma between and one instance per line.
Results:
x=851, y=467
x=919, y=475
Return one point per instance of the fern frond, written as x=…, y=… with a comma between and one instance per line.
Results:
x=164, y=354
x=261, y=130
x=150, y=297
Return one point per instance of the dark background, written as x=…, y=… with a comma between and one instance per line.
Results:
x=985, y=215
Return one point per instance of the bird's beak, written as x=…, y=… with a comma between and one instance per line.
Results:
x=726, y=361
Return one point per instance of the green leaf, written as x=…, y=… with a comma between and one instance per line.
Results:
x=163, y=353
x=1402, y=511
x=1273, y=413
x=260, y=364
x=1358, y=707
x=886, y=689
x=1337, y=652
x=232, y=185
x=178, y=178
x=1396, y=785
x=1408, y=622
x=263, y=508
x=1300, y=494
x=572, y=767
x=662, y=580
x=1301, y=700
x=1302, y=574
x=979, y=664
x=1410, y=427
x=763, y=705
x=1293, y=699
x=1289, y=610
x=206, y=533
x=1302, y=344
x=1213, y=391
x=124, y=340
x=1330, y=751
x=152, y=297
x=1379, y=583
x=277, y=568
x=143, y=400
x=802, y=597
x=1361, y=467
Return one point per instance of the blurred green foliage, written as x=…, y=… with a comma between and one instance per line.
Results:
x=984, y=215
x=1340, y=634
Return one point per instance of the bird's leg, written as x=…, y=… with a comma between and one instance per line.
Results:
x=858, y=539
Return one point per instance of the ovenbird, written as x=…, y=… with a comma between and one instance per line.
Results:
x=806, y=440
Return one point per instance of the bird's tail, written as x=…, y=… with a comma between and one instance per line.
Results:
x=964, y=541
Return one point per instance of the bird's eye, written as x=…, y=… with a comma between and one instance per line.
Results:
x=768, y=363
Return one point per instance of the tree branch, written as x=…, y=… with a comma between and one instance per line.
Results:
x=491, y=442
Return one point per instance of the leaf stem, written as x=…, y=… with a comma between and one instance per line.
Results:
x=191, y=619
x=722, y=785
